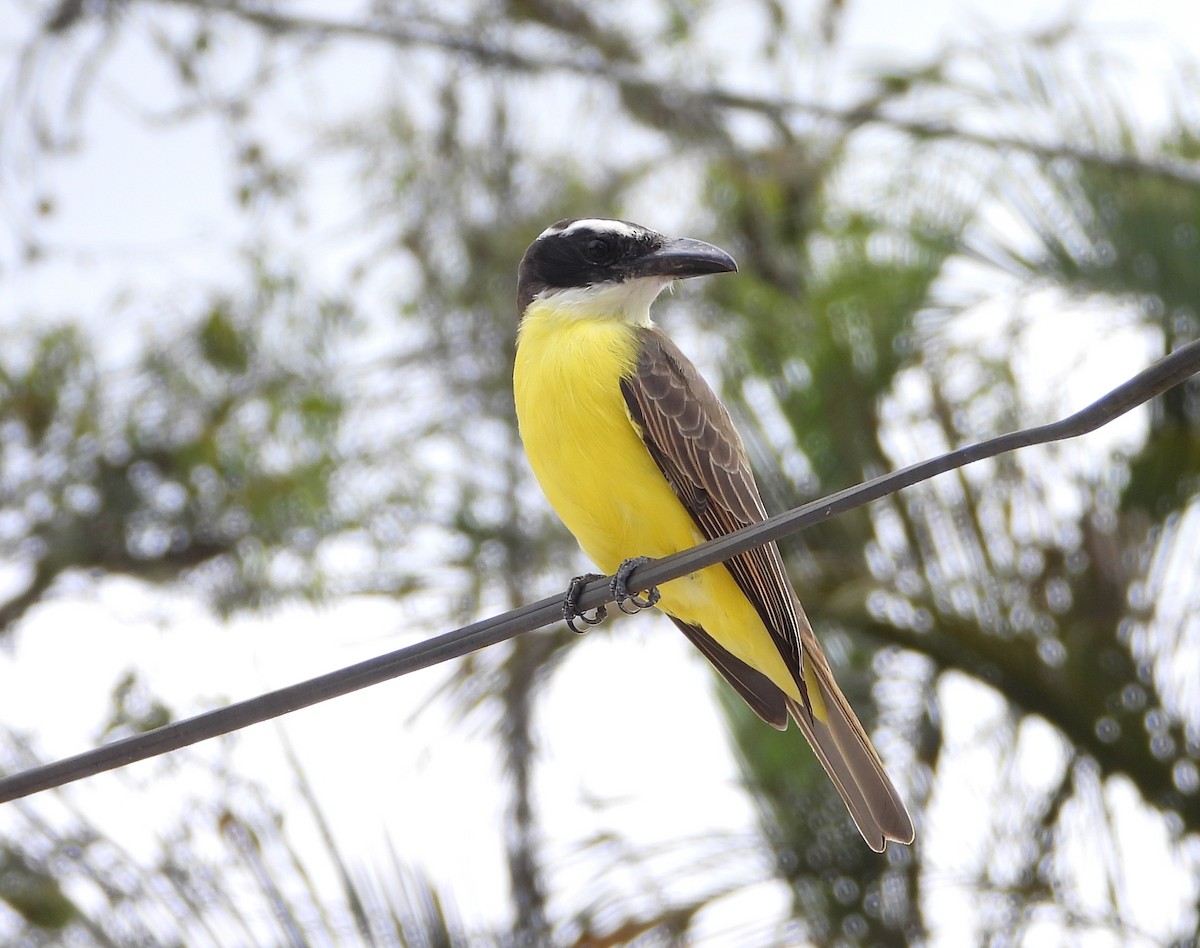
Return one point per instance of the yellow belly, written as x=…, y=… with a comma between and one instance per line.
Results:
x=602, y=482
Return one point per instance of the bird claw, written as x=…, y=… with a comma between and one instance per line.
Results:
x=629, y=603
x=621, y=593
x=570, y=607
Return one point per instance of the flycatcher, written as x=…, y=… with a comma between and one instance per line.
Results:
x=639, y=458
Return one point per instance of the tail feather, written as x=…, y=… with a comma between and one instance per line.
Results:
x=852, y=763
x=831, y=727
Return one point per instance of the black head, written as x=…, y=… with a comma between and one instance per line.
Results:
x=592, y=252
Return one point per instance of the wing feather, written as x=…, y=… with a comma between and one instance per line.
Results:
x=756, y=689
x=694, y=443
x=689, y=434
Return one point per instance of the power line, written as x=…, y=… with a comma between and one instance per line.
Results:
x=1162, y=375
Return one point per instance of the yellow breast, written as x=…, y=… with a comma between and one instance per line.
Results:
x=601, y=480
x=582, y=445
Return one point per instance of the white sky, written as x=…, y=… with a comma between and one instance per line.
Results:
x=124, y=220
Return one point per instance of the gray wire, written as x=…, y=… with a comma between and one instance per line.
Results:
x=1162, y=375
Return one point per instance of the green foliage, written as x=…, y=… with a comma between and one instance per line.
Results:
x=216, y=451
x=1142, y=242
x=134, y=710
x=222, y=344
x=34, y=894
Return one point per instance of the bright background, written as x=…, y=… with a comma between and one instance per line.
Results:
x=143, y=208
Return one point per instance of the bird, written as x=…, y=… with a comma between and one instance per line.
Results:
x=640, y=459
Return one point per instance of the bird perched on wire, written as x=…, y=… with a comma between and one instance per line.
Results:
x=640, y=459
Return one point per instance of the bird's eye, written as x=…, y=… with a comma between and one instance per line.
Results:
x=597, y=250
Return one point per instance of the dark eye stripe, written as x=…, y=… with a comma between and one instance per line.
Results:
x=581, y=252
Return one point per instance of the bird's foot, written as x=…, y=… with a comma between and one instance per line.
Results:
x=570, y=606
x=621, y=593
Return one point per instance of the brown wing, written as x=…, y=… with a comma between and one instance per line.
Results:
x=757, y=690
x=694, y=443
x=689, y=434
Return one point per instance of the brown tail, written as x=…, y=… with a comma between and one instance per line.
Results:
x=846, y=753
x=839, y=741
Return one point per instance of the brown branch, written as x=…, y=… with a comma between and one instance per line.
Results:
x=685, y=98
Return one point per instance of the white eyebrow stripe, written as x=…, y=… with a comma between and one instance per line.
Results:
x=598, y=224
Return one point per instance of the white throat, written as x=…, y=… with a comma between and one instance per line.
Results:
x=628, y=301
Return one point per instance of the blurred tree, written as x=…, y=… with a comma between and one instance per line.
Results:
x=212, y=458
x=910, y=244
